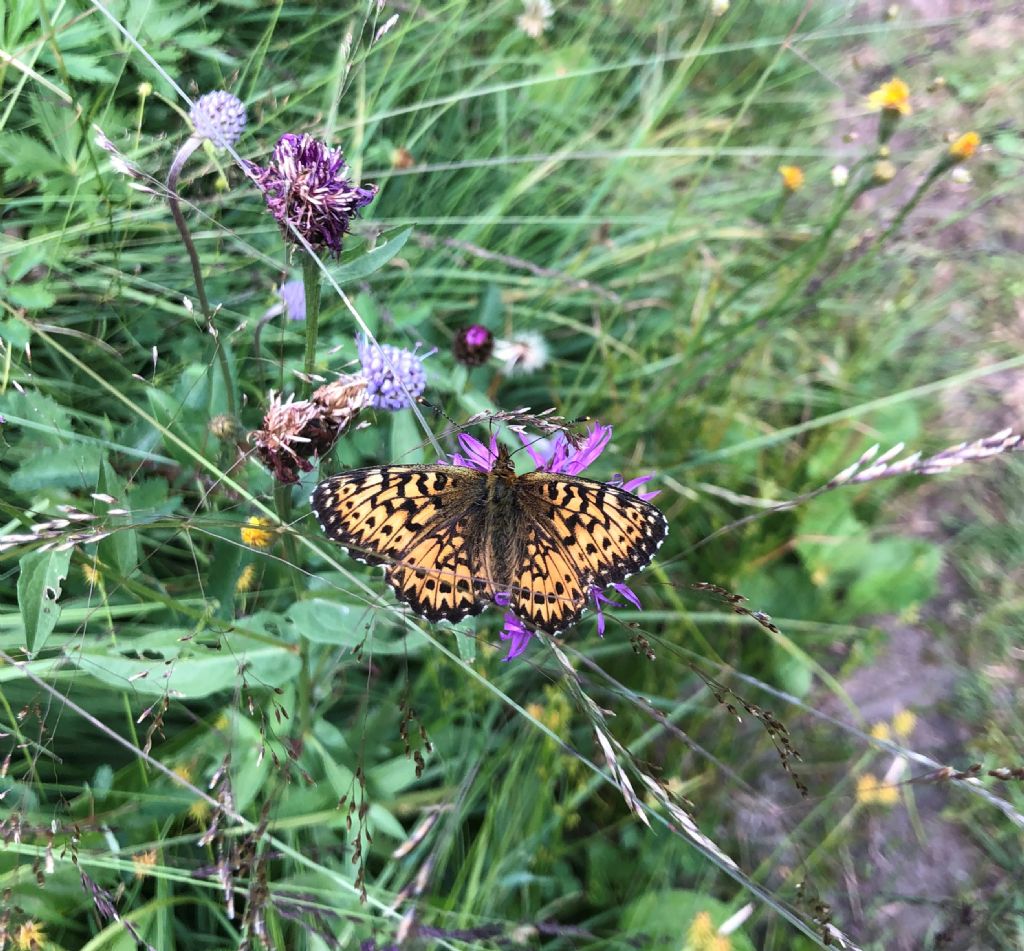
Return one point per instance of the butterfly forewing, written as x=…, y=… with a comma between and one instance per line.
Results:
x=416, y=521
x=451, y=544
x=582, y=534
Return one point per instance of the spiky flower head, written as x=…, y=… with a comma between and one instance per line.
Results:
x=473, y=345
x=305, y=187
x=526, y=352
x=342, y=400
x=30, y=937
x=292, y=432
x=257, y=532
x=395, y=378
x=293, y=299
x=219, y=117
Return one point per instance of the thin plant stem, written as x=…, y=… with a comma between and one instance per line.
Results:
x=311, y=285
x=304, y=699
x=191, y=144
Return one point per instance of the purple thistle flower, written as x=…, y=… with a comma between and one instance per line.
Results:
x=634, y=484
x=305, y=186
x=293, y=299
x=477, y=455
x=516, y=632
x=394, y=377
x=219, y=117
x=564, y=457
x=557, y=456
x=599, y=598
x=473, y=345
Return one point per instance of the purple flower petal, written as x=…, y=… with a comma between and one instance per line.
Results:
x=572, y=461
x=477, y=455
x=600, y=598
x=634, y=484
x=516, y=632
x=625, y=591
x=530, y=445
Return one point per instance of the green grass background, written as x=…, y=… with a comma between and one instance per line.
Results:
x=613, y=186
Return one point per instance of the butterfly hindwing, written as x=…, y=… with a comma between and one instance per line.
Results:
x=413, y=519
x=583, y=534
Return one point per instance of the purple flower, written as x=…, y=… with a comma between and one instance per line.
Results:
x=477, y=455
x=516, y=632
x=634, y=484
x=293, y=299
x=557, y=456
x=473, y=345
x=219, y=117
x=305, y=187
x=564, y=457
x=599, y=598
x=394, y=377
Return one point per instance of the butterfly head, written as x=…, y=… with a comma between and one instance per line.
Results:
x=504, y=468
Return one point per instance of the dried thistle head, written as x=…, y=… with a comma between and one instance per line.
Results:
x=284, y=443
x=342, y=400
x=294, y=431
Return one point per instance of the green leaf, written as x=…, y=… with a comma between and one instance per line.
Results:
x=329, y=622
x=38, y=593
x=165, y=663
x=490, y=309
x=364, y=265
x=15, y=333
x=31, y=296
x=406, y=439
x=121, y=549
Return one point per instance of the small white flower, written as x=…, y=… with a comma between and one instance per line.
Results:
x=719, y=7
x=840, y=176
x=535, y=18
x=961, y=176
x=527, y=352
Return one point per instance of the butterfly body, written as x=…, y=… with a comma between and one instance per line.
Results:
x=454, y=539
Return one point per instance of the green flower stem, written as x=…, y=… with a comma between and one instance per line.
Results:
x=191, y=144
x=304, y=698
x=311, y=285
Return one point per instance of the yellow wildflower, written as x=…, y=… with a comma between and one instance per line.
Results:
x=893, y=96
x=29, y=937
x=903, y=723
x=91, y=574
x=881, y=731
x=872, y=792
x=183, y=772
x=965, y=146
x=255, y=532
x=199, y=811
x=883, y=172
x=143, y=863
x=719, y=942
x=792, y=177
x=701, y=931
x=246, y=579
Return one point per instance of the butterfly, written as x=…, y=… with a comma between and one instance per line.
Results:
x=454, y=539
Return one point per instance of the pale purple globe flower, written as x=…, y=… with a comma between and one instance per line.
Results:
x=219, y=117
x=394, y=377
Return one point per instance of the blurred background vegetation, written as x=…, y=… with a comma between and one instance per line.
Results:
x=611, y=184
